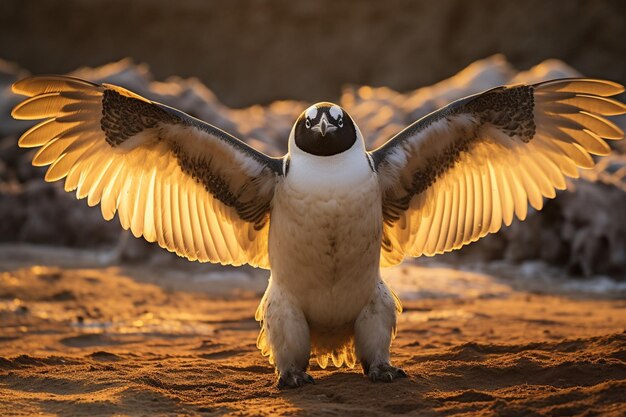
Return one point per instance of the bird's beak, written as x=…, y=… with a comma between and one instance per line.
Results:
x=323, y=126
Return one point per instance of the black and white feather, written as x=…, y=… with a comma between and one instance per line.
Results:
x=461, y=172
x=173, y=179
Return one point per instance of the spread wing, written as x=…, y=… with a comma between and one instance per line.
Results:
x=173, y=179
x=459, y=173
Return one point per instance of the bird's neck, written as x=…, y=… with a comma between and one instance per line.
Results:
x=327, y=173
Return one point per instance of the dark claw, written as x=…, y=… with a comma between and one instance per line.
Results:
x=294, y=379
x=385, y=373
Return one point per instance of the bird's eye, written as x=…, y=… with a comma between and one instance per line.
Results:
x=340, y=122
x=307, y=124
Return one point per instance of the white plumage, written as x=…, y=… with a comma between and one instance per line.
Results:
x=326, y=216
x=339, y=235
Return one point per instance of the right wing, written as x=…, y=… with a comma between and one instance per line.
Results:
x=173, y=179
x=459, y=173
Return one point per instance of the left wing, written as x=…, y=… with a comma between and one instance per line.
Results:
x=457, y=174
x=193, y=188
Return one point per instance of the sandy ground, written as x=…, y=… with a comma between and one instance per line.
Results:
x=121, y=341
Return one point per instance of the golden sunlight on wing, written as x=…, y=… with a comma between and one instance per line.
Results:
x=173, y=180
x=482, y=173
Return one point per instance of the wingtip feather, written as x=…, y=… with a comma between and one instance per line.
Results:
x=600, y=87
x=40, y=84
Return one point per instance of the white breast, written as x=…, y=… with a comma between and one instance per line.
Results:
x=325, y=232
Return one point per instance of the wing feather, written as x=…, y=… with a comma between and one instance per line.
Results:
x=159, y=223
x=472, y=195
x=109, y=197
x=507, y=201
x=41, y=106
x=497, y=198
x=33, y=86
x=594, y=123
x=487, y=198
x=460, y=210
x=603, y=88
x=168, y=215
x=149, y=220
x=209, y=242
x=195, y=226
x=41, y=133
x=185, y=224
x=478, y=203
x=95, y=192
x=452, y=229
x=138, y=202
x=439, y=221
x=590, y=103
x=126, y=198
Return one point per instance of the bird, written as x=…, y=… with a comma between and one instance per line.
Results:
x=326, y=216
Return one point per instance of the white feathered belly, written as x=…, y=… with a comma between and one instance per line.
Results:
x=324, y=249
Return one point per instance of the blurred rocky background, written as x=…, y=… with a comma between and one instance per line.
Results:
x=250, y=67
x=251, y=52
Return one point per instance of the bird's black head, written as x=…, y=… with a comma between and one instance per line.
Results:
x=324, y=129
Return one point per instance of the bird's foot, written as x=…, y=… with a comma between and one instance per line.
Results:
x=385, y=372
x=294, y=379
